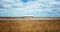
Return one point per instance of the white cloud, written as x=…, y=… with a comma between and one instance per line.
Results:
x=32, y=7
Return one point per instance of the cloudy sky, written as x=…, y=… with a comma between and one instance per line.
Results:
x=36, y=8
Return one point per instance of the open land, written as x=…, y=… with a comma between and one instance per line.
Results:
x=29, y=24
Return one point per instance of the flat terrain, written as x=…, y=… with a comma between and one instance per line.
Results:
x=15, y=25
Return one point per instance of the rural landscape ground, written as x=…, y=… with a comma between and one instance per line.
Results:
x=26, y=25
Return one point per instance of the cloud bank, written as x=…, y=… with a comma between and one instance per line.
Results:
x=37, y=8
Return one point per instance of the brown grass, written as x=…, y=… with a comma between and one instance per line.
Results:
x=30, y=26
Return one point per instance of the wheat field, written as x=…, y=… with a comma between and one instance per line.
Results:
x=29, y=26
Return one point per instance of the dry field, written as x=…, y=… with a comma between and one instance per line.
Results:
x=29, y=25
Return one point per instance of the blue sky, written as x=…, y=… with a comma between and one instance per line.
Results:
x=36, y=8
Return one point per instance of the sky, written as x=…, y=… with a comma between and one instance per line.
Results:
x=36, y=8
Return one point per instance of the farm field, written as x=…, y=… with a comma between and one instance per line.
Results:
x=29, y=25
